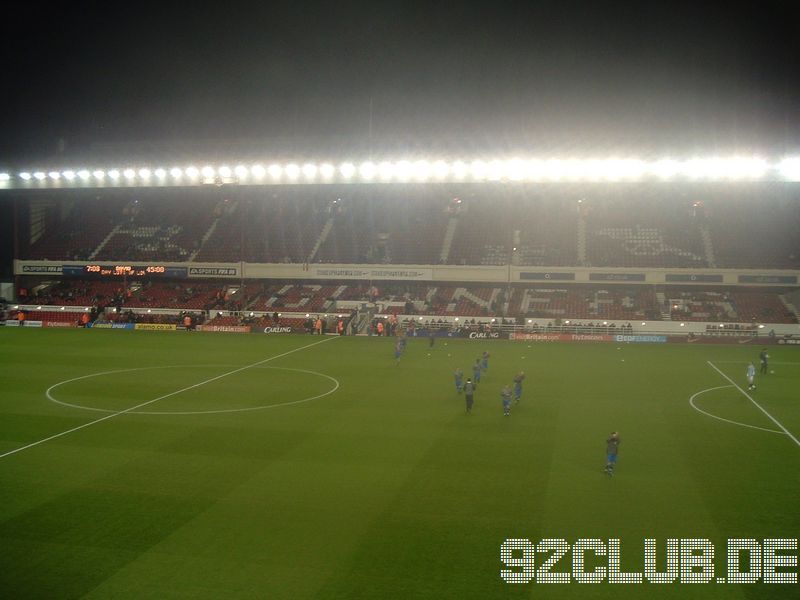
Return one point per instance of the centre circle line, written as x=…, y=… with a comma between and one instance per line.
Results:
x=49, y=394
x=722, y=387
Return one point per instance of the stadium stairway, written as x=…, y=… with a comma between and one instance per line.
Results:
x=323, y=235
x=105, y=241
x=447, y=242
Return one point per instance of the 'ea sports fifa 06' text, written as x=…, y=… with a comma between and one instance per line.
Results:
x=685, y=560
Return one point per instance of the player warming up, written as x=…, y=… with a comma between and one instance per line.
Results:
x=505, y=396
x=458, y=374
x=764, y=357
x=518, y=379
x=469, y=395
x=485, y=361
x=476, y=370
x=751, y=376
x=612, y=447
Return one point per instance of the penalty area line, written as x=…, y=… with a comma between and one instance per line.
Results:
x=176, y=392
x=761, y=408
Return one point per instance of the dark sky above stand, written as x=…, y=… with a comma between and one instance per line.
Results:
x=575, y=76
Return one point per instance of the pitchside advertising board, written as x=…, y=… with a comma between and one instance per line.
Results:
x=587, y=337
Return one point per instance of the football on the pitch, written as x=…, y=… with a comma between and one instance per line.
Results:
x=773, y=372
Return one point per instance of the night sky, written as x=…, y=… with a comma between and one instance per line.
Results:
x=576, y=77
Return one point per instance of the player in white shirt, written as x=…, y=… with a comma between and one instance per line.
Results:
x=751, y=376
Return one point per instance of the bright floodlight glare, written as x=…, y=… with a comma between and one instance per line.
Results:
x=292, y=171
x=386, y=170
x=99, y=174
x=161, y=173
x=192, y=172
x=403, y=170
x=440, y=169
x=113, y=174
x=367, y=170
x=25, y=175
x=422, y=170
x=478, y=169
x=39, y=175
x=4, y=176
x=225, y=171
x=459, y=169
x=789, y=168
x=347, y=170
x=327, y=170
x=666, y=168
x=515, y=169
x=275, y=171
x=84, y=174
x=497, y=170
x=68, y=175
x=144, y=173
x=54, y=175
x=208, y=171
x=258, y=171
x=241, y=171
x=129, y=173
x=176, y=172
x=309, y=171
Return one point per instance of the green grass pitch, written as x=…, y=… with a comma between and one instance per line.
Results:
x=369, y=480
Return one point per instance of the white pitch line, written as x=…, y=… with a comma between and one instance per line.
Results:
x=771, y=418
x=132, y=408
x=744, y=362
x=725, y=387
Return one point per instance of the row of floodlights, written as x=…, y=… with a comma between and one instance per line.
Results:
x=736, y=168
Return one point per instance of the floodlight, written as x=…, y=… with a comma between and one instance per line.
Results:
x=422, y=170
x=4, y=177
x=258, y=171
x=347, y=170
x=129, y=173
x=25, y=175
x=113, y=174
x=789, y=168
x=515, y=169
x=749, y=168
x=440, y=169
x=644, y=323
x=192, y=172
x=176, y=172
x=225, y=171
x=478, y=169
x=309, y=170
x=39, y=175
x=367, y=170
x=68, y=175
x=665, y=168
x=497, y=170
x=403, y=170
x=292, y=171
x=144, y=173
x=99, y=174
x=84, y=174
x=208, y=172
x=160, y=173
x=54, y=175
x=534, y=170
x=386, y=170
x=327, y=170
x=275, y=171
x=553, y=169
x=459, y=169
x=241, y=171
